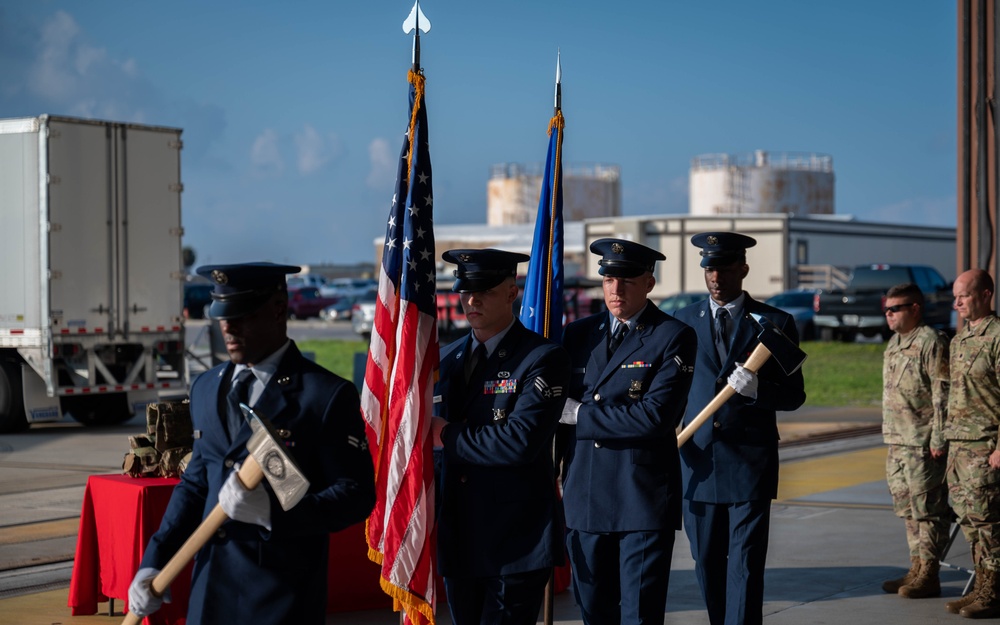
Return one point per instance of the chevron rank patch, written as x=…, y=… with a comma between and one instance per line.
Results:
x=358, y=443
x=548, y=392
x=684, y=368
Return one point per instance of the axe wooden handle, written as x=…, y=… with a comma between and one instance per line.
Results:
x=756, y=360
x=250, y=475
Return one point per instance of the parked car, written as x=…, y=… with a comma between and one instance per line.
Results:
x=340, y=287
x=799, y=304
x=858, y=308
x=341, y=309
x=363, y=314
x=305, y=302
x=197, y=299
x=675, y=302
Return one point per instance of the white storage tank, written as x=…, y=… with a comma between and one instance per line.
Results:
x=795, y=183
x=589, y=190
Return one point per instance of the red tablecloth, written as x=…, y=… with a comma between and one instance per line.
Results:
x=119, y=515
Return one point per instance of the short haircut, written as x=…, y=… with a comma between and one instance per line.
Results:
x=907, y=290
x=982, y=281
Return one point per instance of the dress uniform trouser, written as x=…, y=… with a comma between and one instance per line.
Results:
x=621, y=577
x=503, y=600
x=729, y=547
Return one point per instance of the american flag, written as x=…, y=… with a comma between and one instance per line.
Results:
x=397, y=397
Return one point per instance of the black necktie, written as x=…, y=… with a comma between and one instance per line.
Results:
x=617, y=338
x=722, y=333
x=475, y=362
x=239, y=392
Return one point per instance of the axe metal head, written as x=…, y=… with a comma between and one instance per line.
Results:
x=783, y=350
x=287, y=480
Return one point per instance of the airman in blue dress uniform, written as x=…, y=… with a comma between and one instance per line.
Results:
x=265, y=565
x=632, y=367
x=498, y=401
x=731, y=463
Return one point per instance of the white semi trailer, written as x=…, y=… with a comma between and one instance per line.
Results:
x=91, y=271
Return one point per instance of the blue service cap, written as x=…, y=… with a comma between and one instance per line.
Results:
x=243, y=288
x=719, y=249
x=479, y=270
x=624, y=259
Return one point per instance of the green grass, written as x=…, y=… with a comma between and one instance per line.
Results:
x=337, y=356
x=836, y=374
x=843, y=374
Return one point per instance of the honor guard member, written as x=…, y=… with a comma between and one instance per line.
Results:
x=730, y=465
x=498, y=400
x=621, y=475
x=265, y=565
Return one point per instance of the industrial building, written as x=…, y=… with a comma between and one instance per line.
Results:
x=589, y=190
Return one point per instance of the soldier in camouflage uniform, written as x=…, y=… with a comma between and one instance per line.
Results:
x=914, y=404
x=971, y=430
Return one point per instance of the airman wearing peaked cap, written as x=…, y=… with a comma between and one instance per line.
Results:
x=624, y=259
x=243, y=288
x=722, y=248
x=479, y=270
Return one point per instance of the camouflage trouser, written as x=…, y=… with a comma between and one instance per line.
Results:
x=920, y=498
x=975, y=495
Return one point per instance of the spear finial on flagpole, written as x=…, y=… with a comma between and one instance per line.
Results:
x=416, y=21
x=558, y=96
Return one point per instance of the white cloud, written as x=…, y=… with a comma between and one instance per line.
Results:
x=383, y=165
x=314, y=150
x=265, y=154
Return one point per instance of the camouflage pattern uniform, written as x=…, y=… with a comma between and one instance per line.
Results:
x=914, y=405
x=971, y=430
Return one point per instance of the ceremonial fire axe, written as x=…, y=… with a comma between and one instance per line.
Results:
x=267, y=460
x=772, y=344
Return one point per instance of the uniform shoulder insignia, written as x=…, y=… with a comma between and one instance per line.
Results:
x=684, y=368
x=358, y=443
x=548, y=392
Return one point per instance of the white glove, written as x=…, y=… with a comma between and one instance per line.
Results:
x=743, y=382
x=141, y=600
x=570, y=410
x=248, y=506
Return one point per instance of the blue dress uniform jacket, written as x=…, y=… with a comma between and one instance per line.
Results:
x=730, y=466
x=733, y=457
x=499, y=511
x=247, y=574
x=621, y=470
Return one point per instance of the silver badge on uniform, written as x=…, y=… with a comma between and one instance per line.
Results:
x=499, y=414
x=503, y=375
x=635, y=389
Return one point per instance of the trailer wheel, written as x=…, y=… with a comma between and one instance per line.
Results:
x=12, y=417
x=98, y=410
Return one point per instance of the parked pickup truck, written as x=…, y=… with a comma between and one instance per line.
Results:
x=305, y=302
x=858, y=308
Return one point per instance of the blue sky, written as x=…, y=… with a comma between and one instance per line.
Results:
x=293, y=112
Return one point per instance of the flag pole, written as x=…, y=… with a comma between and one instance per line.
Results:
x=548, y=608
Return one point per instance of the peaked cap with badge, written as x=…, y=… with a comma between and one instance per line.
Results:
x=242, y=288
x=479, y=270
x=624, y=259
x=719, y=249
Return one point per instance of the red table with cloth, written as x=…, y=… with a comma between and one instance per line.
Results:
x=119, y=515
